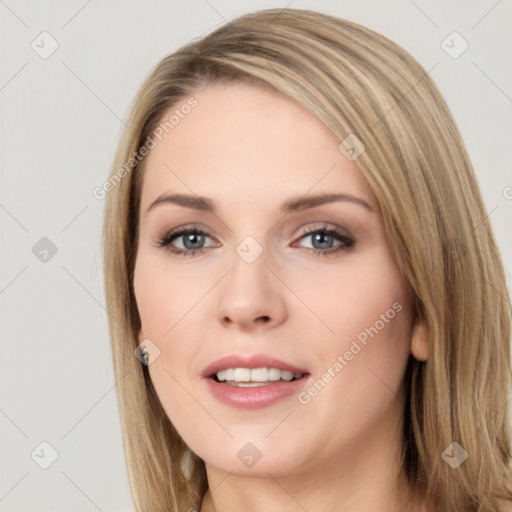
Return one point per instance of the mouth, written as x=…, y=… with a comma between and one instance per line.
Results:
x=253, y=381
x=254, y=377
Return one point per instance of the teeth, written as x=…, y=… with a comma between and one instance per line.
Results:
x=256, y=375
x=274, y=374
x=286, y=375
x=242, y=375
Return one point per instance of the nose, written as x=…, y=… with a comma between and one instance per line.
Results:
x=251, y=296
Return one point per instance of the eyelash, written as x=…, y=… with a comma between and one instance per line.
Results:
x=188, y=230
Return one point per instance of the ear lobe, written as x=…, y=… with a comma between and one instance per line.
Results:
x=421, y=344
x=141, y=336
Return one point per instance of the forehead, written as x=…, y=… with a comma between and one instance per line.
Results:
x=243, y=144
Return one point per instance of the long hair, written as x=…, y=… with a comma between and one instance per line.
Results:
x=359, y=84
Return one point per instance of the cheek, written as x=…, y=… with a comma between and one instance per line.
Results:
x=163, y=300
x=361, y=364
x=163, y=295
x=361, y=313
x=353, y=298
x=374, y=355
x=168, y=302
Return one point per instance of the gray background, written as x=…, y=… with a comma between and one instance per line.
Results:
x=60, y=123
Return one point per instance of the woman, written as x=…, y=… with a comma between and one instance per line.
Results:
x=298, y=255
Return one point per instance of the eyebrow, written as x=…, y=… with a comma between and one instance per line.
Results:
x=290, y=205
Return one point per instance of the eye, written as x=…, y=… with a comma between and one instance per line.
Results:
x=323, y=239
x=193, y=237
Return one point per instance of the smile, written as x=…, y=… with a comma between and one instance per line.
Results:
x=250, y=377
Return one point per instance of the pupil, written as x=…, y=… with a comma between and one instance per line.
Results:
x=191, y=237
x=319, y=236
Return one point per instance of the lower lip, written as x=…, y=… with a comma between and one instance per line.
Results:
x=254, y=397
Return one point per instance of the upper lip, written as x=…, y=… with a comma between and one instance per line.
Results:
x=249, y=361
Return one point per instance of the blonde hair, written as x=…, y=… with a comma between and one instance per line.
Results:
x=357, y=82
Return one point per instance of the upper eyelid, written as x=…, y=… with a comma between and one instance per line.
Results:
x=327, y=226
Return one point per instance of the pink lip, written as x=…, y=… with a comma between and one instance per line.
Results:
x=249, y=361
x=252, y=397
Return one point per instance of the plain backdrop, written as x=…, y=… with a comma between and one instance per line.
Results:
x=61, y=117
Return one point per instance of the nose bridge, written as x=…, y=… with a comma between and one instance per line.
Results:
x=250, y=292
x=249, y=276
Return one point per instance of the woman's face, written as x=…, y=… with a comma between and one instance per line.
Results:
x=271, y=278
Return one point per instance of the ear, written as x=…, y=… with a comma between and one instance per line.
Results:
x=421, y=341
x=141, y=336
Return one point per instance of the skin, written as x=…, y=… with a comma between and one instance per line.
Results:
x=248, y=151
